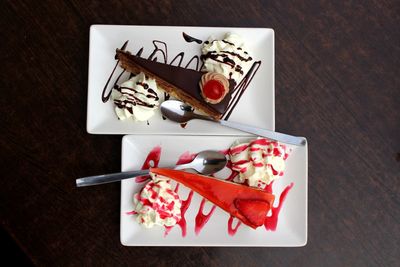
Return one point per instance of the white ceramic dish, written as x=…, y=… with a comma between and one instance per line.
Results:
x=292, y=225
x=256, y=107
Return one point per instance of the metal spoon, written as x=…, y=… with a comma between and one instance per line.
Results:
x=180, y=112
x=206, y=162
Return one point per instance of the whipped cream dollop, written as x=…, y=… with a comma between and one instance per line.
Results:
x=137, y=98
x=157, y=203
x=258, y=162
x=228, y=56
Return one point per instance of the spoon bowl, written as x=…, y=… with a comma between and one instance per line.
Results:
x=178, y=111
x=206, y=162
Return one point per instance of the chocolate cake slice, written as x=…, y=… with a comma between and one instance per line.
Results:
x=179, y=82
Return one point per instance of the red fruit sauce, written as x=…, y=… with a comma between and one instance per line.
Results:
x=232, y=230
x=201, y=219
x=184, y=158
x=271, y=222
x=184, y=207
x=151, y=160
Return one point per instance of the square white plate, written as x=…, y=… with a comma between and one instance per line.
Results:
x=292, y=225
x=104, y=39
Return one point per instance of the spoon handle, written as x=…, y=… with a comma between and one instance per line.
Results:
x=108, y=178
x=118, y=176
x=285, y=138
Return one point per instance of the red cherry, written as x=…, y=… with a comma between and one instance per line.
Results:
x=213, y=89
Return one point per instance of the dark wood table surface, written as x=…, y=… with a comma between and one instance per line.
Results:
x=337, y=83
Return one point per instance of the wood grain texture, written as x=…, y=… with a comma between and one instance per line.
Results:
x=337, y=83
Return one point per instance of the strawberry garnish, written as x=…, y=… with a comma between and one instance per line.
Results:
x=254, y=211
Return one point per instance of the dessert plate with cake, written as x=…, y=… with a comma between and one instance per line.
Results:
x=224, y=73
x=258, y=199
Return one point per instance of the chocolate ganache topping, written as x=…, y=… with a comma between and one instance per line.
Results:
x=183, y=82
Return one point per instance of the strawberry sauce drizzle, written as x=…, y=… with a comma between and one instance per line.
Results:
x=184, y=207
x=231, y=176
x=167, y=230
x=268, y=188
x=184, y=158
x=152, y=158
x=201, y=218
x=232, y=230
x=233, y=173
x=131, y=212
x=271, y=222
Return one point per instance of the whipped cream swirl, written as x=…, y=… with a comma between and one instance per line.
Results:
x=228, y=56
x=258, y=162
x=157, y=203
x=137, y=98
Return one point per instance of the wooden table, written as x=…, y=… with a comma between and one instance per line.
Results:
x=337, y=83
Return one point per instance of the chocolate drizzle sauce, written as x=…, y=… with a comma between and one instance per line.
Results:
x=144, y=85
x=190, y=39
x=178, y=56
x=228, y=42
x=132, y=99
x=238, y=56
x=163, y=50
x=139, y=53
x=240, y=88
x=207, y=42
x=152, y=94
x=160, y=49
x=214, y=56
x=192, y=60
x=104, y=96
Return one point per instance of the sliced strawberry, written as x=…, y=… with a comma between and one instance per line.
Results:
x=254, y=210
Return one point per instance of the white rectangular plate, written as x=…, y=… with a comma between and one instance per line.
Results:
x=292, y=225
x=256, y=107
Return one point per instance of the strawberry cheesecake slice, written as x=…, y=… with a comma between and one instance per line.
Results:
x=250, y=205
